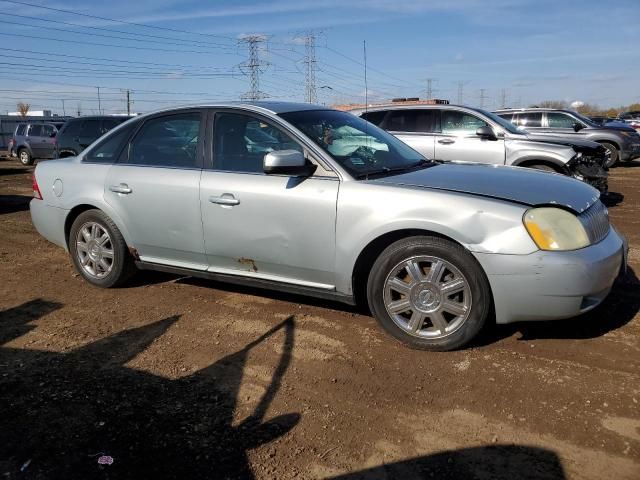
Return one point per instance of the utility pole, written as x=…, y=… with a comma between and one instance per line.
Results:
x=64, y=113
x=128, y=102
x=483, y=97
x=253, y=66
x=99, y=107
x=79, y=111
x=311, y=93
x=503, y=98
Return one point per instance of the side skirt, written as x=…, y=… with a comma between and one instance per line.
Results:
x=251, y=282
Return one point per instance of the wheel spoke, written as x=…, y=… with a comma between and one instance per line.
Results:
x=399, y=306
x=85, y=260
x=81, y=246
x=106, y=253
x=452, y=286
x=454, y=307
x=399, y=286
x=438, y=321
x=435, y=272
x=416, y=321
x=414, y=271
x=103, y=238
x=94, y=231
x=104, y=265
x=86, y=234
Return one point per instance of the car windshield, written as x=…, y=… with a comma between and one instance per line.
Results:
x=507, y=125
x=358, y=146
x=586, y=120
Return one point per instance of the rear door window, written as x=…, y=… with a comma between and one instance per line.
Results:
x=35, y=131
x=169, y=141
x=528, y=119
x=90, y=129
x=374, y=117
x=455, y=122
x=48, y=130
x=20, y=130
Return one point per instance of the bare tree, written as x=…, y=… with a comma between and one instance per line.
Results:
x=23, y=108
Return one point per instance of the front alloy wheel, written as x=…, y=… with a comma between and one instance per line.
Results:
x=427, y=297
x=429, y=292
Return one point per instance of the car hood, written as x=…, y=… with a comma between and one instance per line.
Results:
x=516, y=184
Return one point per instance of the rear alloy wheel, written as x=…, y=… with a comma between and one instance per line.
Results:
x=612, y=154
x=99, y=251
x=429, y=293
x=25, y=157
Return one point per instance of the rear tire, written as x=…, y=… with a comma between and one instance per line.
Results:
x=442, y=308
x=98, y=250
x=25, y=157
x=614, y=154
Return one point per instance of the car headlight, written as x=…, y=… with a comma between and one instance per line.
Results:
x=555, y=229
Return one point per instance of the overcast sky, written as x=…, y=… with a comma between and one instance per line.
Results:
x=519, y=51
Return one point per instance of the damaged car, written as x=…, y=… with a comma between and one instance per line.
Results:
x=435, y=251
x=451, y=133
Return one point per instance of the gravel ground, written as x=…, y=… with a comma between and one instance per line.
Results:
x=173, y=377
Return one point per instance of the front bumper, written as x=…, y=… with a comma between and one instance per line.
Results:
x=631, y=150
x=553, y=285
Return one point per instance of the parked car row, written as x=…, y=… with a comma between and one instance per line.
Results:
x=33, y=141
x=452, y=133
x=305, y=199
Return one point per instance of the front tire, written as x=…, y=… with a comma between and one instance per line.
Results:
x=25, y=157
x=98, y=250
x=613, y=154
x=429, y=293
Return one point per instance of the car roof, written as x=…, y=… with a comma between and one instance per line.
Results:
x=392, y=106
x=533, y=109
x=270, y=107
x=99, y=117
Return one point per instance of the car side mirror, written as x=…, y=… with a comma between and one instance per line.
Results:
x=486, y=132
x=287, y=162
x=577, y=127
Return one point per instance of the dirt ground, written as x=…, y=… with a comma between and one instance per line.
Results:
x=181, y=378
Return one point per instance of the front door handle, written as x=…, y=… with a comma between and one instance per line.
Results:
x=226, y=199
x=446, y=141
x=122, y=188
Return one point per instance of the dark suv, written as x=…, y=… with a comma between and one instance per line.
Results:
x=33, y=140
x=621, y=141
x=78, y=133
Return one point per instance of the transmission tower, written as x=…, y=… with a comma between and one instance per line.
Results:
x=430, y=88
x=311, y=93
x=254, y=66
x=503, y=98
x=461, y=85
x=483, y=97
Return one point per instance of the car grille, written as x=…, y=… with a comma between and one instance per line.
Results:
x=596, y=222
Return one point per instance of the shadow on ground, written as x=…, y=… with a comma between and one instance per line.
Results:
x=62, y=411
x=496, y=462
x=14, y=203
x=618, y=309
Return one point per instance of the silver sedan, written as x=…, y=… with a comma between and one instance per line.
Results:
x=305, y=199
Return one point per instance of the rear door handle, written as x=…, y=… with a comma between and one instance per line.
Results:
x=446, y=141
x=225, y=199
x=122, y=188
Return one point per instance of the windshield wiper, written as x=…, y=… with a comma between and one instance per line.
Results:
x=387, y=170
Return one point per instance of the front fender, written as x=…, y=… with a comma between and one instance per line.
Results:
x=478, y=223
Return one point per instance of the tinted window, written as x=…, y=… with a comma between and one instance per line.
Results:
x=20, y=130
x=529, y=119
x=71, y=128
x=374, y=117
x=109, y=123
x=459, y=122
x=241, y=142
x=170, y=141
x=560, y=120
x=35, y=131
x=48, y=130
x=90, y=129
x=109, y=148
x=507, y=116
x=411, y=121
